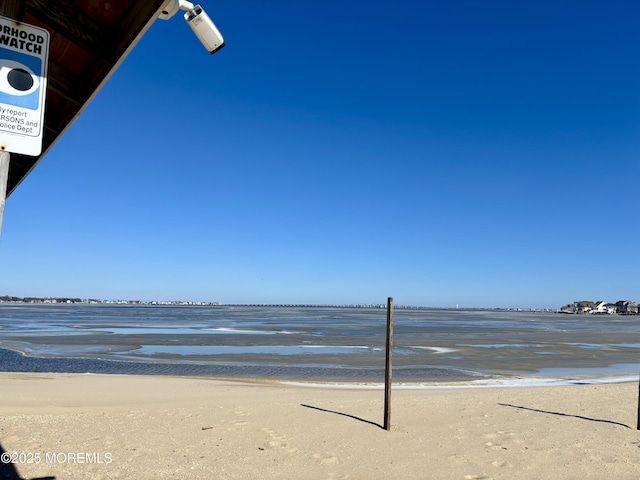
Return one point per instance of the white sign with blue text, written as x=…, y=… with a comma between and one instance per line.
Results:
x=24, y=53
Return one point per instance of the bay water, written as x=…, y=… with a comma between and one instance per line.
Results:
x=326, y=344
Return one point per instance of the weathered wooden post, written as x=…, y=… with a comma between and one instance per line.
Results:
x=638, y=425
x=4, y=178
x=388, y=366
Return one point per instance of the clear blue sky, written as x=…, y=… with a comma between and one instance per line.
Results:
x=480, y=154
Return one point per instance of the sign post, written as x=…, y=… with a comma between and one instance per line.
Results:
x=24, y=54
x=4, y=177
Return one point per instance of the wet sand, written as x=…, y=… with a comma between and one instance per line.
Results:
x=70, y=426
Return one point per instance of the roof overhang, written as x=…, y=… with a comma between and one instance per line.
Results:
x=89, y=40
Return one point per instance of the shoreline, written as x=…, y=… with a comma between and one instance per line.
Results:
x=97, y=427
x=15, y=360
x=516, y=382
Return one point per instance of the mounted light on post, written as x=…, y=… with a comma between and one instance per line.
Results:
x=198, y=20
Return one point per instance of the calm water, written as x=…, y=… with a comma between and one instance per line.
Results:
x=316, y=343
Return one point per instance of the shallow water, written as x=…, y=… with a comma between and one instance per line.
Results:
x=315, y=342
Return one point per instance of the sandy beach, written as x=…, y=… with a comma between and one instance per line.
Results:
x=69, y=426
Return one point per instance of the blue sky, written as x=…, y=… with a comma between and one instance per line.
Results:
x=480, y=154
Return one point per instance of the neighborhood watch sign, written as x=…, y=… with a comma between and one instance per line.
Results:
x=24, y=52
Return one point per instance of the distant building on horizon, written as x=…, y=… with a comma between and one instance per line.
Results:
x=621, y=307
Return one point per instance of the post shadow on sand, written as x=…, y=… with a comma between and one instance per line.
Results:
x=343, y=414
x=8, y=471
x=565, y=415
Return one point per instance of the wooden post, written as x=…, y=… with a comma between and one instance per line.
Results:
x=638, y=426
x=388, y=366
x=5, y=158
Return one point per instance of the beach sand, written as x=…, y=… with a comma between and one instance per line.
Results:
x=142, y=427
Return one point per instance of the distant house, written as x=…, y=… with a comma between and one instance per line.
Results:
x=585, y=306
x=569, y=308
x=600, y=307
x=612, y=308
x=622, y=307
x=627, y=307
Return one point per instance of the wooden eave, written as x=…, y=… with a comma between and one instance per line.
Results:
x=89, y=39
